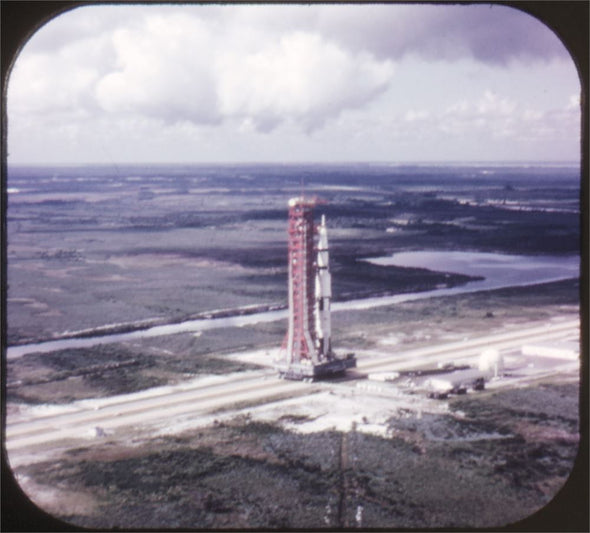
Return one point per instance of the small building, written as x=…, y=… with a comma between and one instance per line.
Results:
x=383, y=376
x=554, y=350
x=492, y=361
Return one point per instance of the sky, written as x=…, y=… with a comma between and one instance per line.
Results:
x=293, y=83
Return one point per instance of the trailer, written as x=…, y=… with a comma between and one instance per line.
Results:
x=457, y=382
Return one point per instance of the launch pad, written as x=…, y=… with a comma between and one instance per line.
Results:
x=310, y=372
x=307, y=349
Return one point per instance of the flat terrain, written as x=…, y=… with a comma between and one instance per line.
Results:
x=194, y=430
x=240, y=473
x=229, y=448
x=96, y=246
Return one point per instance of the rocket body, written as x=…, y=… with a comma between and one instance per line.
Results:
x=323, y=295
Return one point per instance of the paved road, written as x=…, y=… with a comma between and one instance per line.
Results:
x=130, y=411
x=460, y=351
x=206, y=396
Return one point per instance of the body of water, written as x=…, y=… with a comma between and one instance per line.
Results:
x=499, y=270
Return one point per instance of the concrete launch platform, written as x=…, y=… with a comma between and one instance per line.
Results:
x=311, y=372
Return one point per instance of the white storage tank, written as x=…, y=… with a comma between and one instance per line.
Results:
x=492, y=361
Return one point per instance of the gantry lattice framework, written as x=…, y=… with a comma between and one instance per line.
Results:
x=300, y=339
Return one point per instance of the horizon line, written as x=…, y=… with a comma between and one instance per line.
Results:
x=292, y=163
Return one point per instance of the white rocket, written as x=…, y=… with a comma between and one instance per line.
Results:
x=323, y=295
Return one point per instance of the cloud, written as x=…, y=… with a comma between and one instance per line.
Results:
x=163, y=71
x=263, y=63
x=204, y=66
x=491, y=104
x=492, y=116
x=489, y=115
x=412, y=115
x=487, y=33
x=301, y=77
x=153, y=75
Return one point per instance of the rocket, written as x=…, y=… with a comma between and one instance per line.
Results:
x=323, y=295
x=306, y=353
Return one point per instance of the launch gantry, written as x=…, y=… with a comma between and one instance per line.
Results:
x=307, y=349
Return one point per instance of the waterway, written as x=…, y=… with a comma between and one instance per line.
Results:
x=498, y=270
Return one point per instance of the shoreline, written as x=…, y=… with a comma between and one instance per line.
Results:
x=253, y=314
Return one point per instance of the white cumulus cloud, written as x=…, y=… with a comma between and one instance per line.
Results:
x=162, y=71
x=175, y=65
x=301, y=77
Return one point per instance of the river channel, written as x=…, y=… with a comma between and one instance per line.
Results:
x=498, y=270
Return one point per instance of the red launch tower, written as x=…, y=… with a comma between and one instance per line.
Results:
x=300, y=342
x=307, y=351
